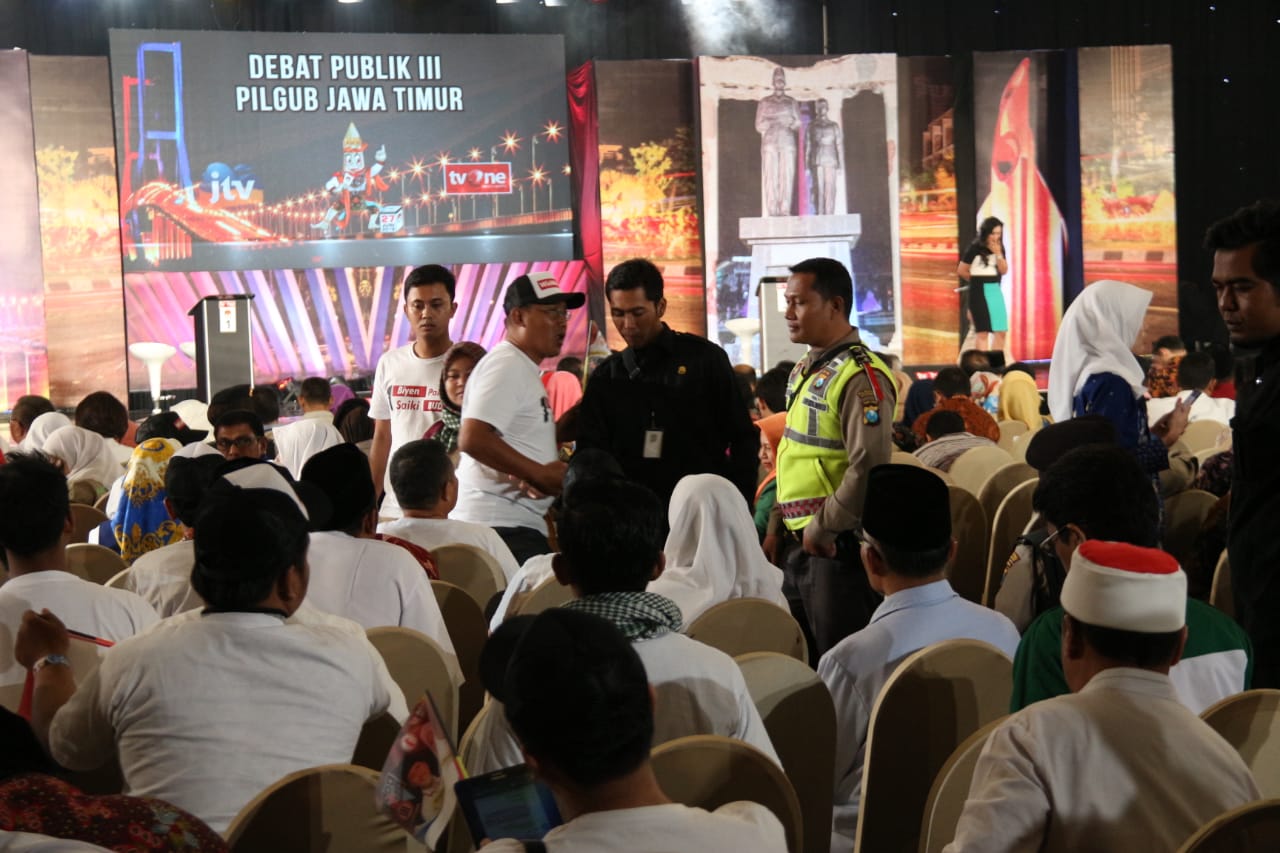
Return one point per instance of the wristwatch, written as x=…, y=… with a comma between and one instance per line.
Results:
x=50, y=660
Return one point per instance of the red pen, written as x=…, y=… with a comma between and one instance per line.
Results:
x=80, y=635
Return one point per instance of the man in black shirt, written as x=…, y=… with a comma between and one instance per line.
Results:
x=668, y=405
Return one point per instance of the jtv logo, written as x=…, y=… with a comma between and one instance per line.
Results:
x=464, y=178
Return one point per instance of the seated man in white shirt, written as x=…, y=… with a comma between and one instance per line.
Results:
x=206, y=710
x=354, y=575
x=578, y=698
x=35, y=528
x=298, y=441
x=611, y=534
x=163, y=576
x=906, y=546
x=1119, y=763
x=1195, y=373
x=426, y=488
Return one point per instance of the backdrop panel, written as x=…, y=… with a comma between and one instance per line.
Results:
x=244, y=151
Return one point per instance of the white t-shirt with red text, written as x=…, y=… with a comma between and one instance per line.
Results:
x=406, y=391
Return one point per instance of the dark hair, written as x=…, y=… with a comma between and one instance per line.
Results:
x=637, y=272
x=1104, y=491
x=353, y=421
x=570, y=364
x=245, y=540
x=1170, y=342
x=1020, y=367
x=236, y=417
x=427, y=275
x=786, y=366
x=1224, y=364
x=973, y=360
x=237, y=397
x=1195, y=371
x=951, y=382
x=102, y=413
x=1131, y=648
x=1258, y=223
x=28, y=408
x=611, y=533
x=186, y=481
x=315, y=389
x=830, y=280
x=944, y=422
x=419, y=472
x=914, y=564
x=771, y=389
x=266, y=402
x=34, y=494
x=988, y=225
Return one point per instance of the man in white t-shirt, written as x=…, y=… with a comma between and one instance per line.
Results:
x=510, y=465
x=578, y=698
x=406, y=383
x=298, y=441
x=206, y=710
x=1195, y=373
x=35, y=528
x=427, y=489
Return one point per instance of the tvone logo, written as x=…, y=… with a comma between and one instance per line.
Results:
x=476, y=178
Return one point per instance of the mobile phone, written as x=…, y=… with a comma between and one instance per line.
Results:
x=1193, y=396
x=507, y=803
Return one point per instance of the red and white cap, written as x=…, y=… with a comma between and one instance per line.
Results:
x=1126, y=587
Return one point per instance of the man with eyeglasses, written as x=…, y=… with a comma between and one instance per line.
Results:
x=406, y=384
x=1099, y=492
x=239, y=434
x=510, y=467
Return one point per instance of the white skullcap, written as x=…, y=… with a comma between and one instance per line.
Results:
x=1126, y=587
x=265, y=476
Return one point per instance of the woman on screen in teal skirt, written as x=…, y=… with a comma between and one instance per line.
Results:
x=981, y=268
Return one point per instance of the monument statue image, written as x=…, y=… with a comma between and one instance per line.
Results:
x=777, y=120
x=824, y=149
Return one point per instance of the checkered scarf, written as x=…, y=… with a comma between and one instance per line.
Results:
x=638, y=615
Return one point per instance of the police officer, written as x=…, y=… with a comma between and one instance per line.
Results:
x=840, y=402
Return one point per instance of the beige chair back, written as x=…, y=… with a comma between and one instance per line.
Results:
x=968, y=571
x=1250, y=722
x=935, y=699
x=85, y=518
x=94, y=563
x=472, y=569
x=1009, y=430
x=950, y=790
x=800, y=718
x=326, y=809
x=120, y=580
x=1202, y=436
x=708, y=771
x=1010, y=519
x=1184, y=516
x=1002, y=481
x=1017, y=446
x=972, y=468
x=418, y=665
x=901, y=457
x=1251, y=828
x=743, y=625
x=101, y=503
x=468, y=631
x=546, y=595
x=1220, y=594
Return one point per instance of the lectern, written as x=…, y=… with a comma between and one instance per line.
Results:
x=224, y=342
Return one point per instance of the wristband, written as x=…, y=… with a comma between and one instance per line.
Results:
x=50, y=660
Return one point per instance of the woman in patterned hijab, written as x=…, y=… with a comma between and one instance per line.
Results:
x=141, y=522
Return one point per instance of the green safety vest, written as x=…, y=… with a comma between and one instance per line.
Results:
x=812, y=457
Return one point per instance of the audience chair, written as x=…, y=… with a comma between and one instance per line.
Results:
x=972, y=468
x=329, y=809
x=1184, y=516
x=94, y=563
x=1009, y=430
x=942, y=475
x=546, y=595
x=1220, y=595
x=902, y=457
x=708, y=771
x=950, y=790
x=121, y=580
x=743, y=625
x=1250, y=721
x=968, y=571
x=800, y=718
x=468, y=630
x=1002, y=481
x=935, y=699
x=1252, y=827
x=101, y=503
x=458, y=839
x=417, y=665
x=1010, y=520
x=85, y=518
x=1018, y=446
x=1206, y=436
x=472, y=569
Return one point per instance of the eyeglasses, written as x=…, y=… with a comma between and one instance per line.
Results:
x=1046, y=547
x=243, y=442
x=555, y=312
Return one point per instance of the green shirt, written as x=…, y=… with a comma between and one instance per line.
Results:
x=764, y=506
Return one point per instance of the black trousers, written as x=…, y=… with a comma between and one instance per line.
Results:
x=524, y=542
x=830, y=597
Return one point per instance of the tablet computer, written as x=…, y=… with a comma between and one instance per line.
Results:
x=507, y=803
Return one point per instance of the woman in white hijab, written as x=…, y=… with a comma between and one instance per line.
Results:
x=1094, y=371
x=86, y=455
x=712, y=550
x=41, y=428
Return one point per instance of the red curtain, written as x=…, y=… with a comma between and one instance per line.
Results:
x=584, y=121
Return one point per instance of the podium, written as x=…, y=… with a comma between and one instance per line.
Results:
x=224, y=342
